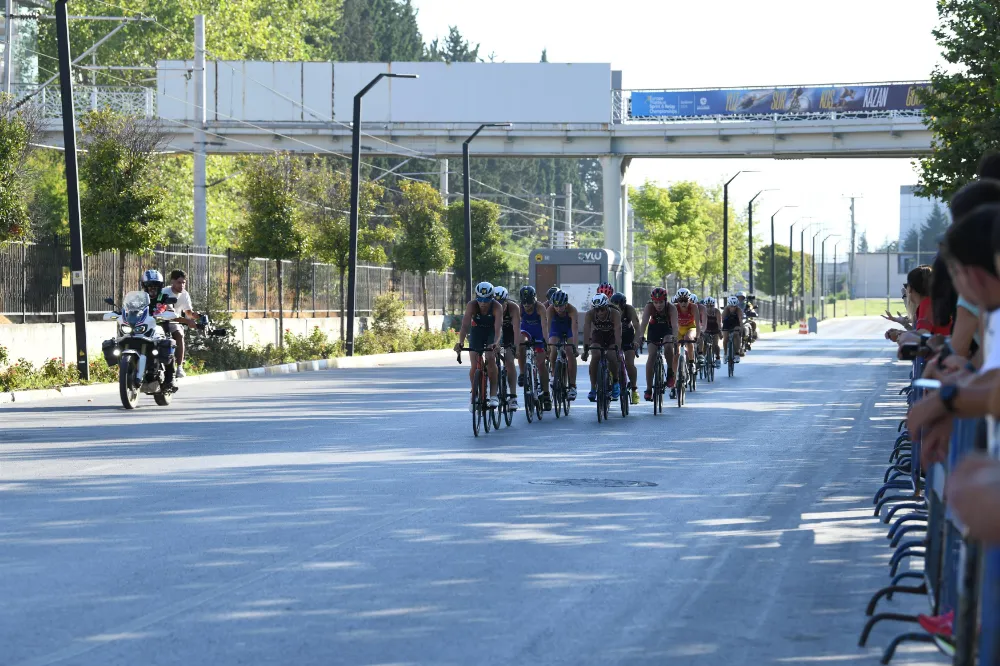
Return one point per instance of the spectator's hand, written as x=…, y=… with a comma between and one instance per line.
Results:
x=973, y=491
x=457, y=347
x=908, y=338
x=894, y=320
x=935, y=442
x=952, y=369
x=893, y=334
x=925, y=413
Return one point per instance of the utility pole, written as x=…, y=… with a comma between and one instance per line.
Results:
x=850, y=270
x=568, y=189
x=552, y=221
x=8, y=42
x=443, y=175
x=200, y=168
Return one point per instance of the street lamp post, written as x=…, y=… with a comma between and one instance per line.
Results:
x=822, y=276
x=725, y=230
x=835, y=279
x=352, y=259
x=750, y=233
x=791, y=277
x=802, y=269
x=774, y=273
x=812, y=294
x=468, y=204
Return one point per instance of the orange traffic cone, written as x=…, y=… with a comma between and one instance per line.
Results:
x=803, y=329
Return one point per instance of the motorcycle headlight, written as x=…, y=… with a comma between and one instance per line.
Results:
x=141, y=328
x=126, y=328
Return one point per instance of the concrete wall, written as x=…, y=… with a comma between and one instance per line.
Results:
x=41, y=342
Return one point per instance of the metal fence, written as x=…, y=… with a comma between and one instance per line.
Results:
x=34, y=283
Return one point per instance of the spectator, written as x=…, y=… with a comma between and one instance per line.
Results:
x=989, y=166
x=973, y=492
x=185, y=314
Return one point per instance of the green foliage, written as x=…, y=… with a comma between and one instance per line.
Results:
x=762, y=274
x=18, y=130
x=676, y=222
x=273, y=227
x=863, y=243
x=48, y=207
x=455, y=49
x=121, y=203
x=961, y=105
x=425, y=244
x=312, y=347
x=488, y=260
x=24, y=376
x=388, y=316
x=378, y=31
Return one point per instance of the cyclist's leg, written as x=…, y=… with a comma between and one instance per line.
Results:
x=651, y=349
x=473, y=364
x=571, y=360
x=511, y=373
x=594, y=356
x=553, y=351
x=491, y=371
x=630, y=367
x=520, y=358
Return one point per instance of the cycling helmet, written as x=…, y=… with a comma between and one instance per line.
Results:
x=599, y=301
x=710, y=301
x=606, y=289
x=732, y=301
x=551, y=292
x=484, y=292
x=740, y=294
x=151, y=277
x=683, y=294
x=619, y=299
x=694, y=299
x=658, y=294
x=560, y=298
x=501, y=294
x=527, y=295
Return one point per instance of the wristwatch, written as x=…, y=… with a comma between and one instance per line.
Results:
x=948, y=395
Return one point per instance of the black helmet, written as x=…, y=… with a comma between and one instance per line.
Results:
x=527, y=295
x=618, y=298
x=551, y=292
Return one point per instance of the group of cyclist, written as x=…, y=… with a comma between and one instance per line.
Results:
x=492, y=320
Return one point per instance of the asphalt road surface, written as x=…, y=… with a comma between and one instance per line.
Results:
x=350, y=517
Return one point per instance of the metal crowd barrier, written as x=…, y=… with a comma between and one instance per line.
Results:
x=958, y=575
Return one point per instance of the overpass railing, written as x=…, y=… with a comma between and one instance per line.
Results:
x=137, y=100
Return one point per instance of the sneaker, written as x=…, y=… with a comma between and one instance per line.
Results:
x=571, y=393
x=520, y=379
x=635, y=397
x=546, y=402
x=718, y=364
x=180, y=372
x=512, y=404
x=736, y=359
x=492, y=402
x=647, y=395
x=940, y=625
x=701, y=360
x=673, y=394
x=592, y=396
x=616, y=391
x=472, y=407
x=671, y=383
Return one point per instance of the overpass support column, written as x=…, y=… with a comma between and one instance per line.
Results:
x=613, y=168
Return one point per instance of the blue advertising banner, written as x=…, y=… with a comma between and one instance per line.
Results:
x=841, y=99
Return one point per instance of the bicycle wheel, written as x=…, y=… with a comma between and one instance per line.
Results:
x=529, y=393
x=730, y=355
x=602, y=385
x=694, y=380
x=658, y=385
x=681, y=381
x=476, y=413
x=483, y=397
x=626, y=389
x=565, y=393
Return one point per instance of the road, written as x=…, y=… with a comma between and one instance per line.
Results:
x=350, y=517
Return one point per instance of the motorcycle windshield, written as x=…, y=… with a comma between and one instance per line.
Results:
x=135, y=306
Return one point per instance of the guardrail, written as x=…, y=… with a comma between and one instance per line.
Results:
x=128, y=100
x=960, y=578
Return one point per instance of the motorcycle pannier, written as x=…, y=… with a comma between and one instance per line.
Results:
x=108, y=348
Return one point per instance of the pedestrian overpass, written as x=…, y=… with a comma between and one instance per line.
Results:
x=556, y=110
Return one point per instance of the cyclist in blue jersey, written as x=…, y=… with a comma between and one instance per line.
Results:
x=563, y=324
x=630, y=324
x=533, y=325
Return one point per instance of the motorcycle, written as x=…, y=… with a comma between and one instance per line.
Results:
x=140, y=350
x=749, y=335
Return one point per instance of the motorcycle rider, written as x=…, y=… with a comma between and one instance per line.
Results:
x=152, y=284
x=185, y=314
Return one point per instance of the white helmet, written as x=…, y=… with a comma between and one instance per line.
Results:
x=683, y=293
x=599, y=301
x=710, y=301
x=732, y=301
x=484, y=292
x=152, y=275
x=740, y=294
x=500, y=293
x=694, y=299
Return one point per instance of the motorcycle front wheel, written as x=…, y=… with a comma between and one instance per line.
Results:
x=128, y=385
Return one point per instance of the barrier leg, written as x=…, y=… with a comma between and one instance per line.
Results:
x=903, y=576
x=872, y=621
x=890, y=649
x=909, y=528
x=887, y=592
x=905, y=519
x=900, y=555
x=892, y=485
x=894, y=498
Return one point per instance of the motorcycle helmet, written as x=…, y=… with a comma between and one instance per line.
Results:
x=484, y=292
x=151, y=278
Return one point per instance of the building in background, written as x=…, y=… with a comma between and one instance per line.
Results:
x=913, y=210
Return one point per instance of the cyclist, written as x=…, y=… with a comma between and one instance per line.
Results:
x=750, y=310
x=602, y=328
x=688, y=320
x=732, y=322
x=713, y=326
x=548, y=297
x=702, y=322
x=533, y=325
x=630, y=324
x=562, y=317
x=511, y=322
x=606, y=289
x=482, y=322
x=661, y=317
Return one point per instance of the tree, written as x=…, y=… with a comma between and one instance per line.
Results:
x=378, y=31
x=888, y=246
x=863, y=244
x=327, y=220
x=18, y=131
x=488, y=261
x=912, y=241
x=676, y=221
x=933, y=229
x=710, y=271
x=425, y=244
x=456, y=48
x=762, y=275
x=48, y=206
x=961, y=104
x=545, y=55
x=273, y=228
x=121, y=203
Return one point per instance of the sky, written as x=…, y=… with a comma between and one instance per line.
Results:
x=670, y=44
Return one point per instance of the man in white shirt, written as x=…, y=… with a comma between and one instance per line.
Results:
x=185, y=314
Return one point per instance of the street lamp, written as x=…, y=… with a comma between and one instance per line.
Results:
x=774, y=274
x=835, y=278
x=352, y=259
x=802, y=269
x=812, y=295
x=468, y=204
x=750, y=233
x=822, y=275
x=725, y=229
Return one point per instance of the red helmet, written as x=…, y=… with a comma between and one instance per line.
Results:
x=658, y=294
x=606, y=289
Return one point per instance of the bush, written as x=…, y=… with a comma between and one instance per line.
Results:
x=206, y=353
x=23, y=376
x=312, y=347
x=430, y=340
x=389, y=324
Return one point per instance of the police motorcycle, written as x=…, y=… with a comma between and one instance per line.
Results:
x=141, y=350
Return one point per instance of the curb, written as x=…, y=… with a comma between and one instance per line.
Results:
x=342, y=363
